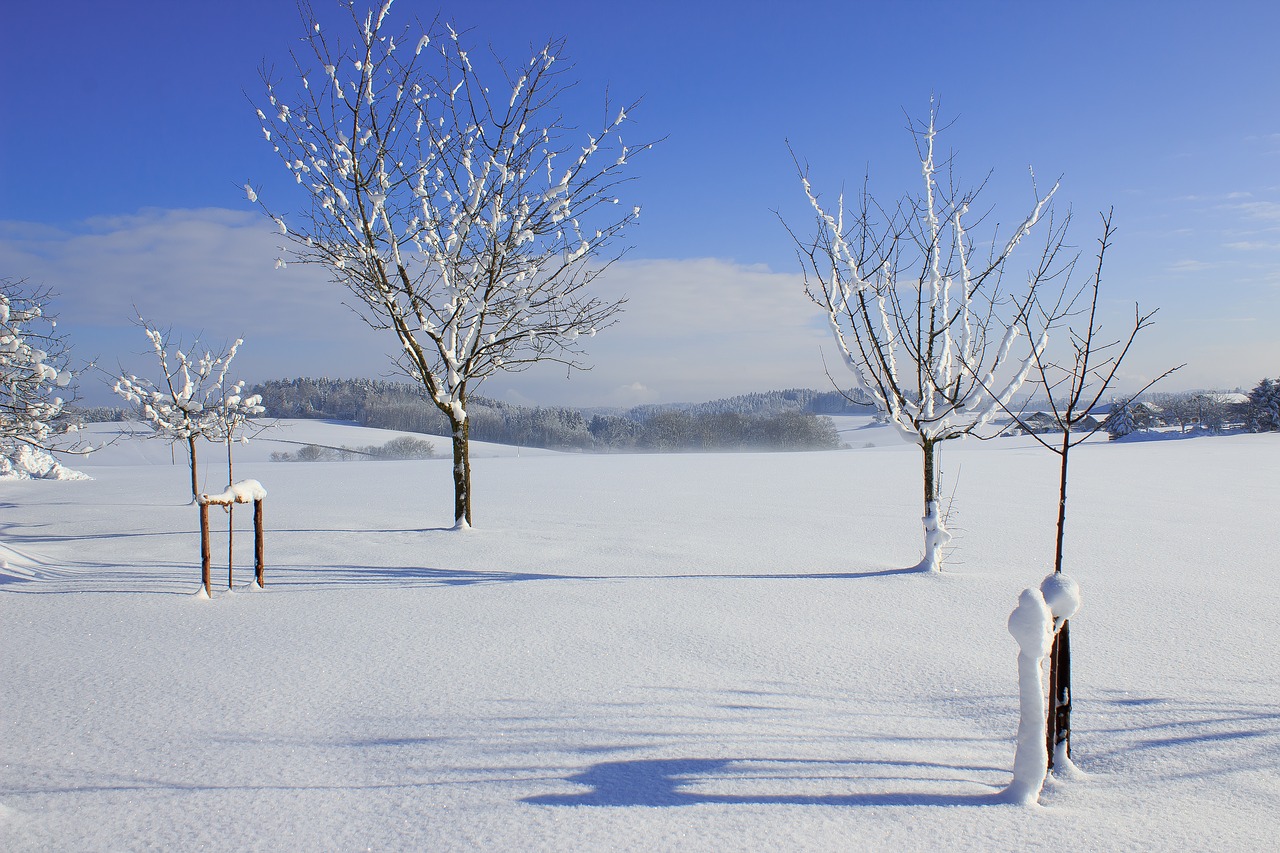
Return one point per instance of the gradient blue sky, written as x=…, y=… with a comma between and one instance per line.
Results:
x=126, y=134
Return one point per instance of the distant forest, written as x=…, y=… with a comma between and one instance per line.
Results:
x=795, y=419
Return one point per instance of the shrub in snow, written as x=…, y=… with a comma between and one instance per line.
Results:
x=405, y=447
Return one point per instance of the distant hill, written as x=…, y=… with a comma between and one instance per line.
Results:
x=792, y=419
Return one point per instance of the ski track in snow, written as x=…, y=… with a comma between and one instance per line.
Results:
x=636, y=652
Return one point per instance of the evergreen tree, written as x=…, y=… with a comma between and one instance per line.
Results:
x=1264, y=406
x=1120, y=422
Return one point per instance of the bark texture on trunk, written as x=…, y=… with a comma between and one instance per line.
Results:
x=191, y=456
x=1059, y=732
x=1058, y=735
x=461, y=473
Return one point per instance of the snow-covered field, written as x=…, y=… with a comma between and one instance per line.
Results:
x=636, y=652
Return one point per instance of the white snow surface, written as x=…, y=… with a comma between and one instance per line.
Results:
x=636, y=652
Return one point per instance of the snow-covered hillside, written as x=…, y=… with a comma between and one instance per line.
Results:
x=631, y=652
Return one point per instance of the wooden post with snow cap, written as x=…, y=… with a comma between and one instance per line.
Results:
x=243, y=492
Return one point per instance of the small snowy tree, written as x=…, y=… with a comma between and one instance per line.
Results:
x=458, y=206
x=919, y=314
x=34, y=370
x=1120, y=421
x=1074, y=381
x=193, y=398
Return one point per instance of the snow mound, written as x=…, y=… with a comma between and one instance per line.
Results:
x=28, y=463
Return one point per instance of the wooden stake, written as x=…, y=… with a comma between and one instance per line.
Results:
x=231, y=536
x=204, y=547
x=259, y=547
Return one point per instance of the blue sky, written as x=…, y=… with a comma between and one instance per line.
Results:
x=127, y=133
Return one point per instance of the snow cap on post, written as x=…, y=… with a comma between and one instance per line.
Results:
x=1062, y=594
x=243, y=492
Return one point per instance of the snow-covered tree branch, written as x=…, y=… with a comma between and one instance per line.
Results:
x=452, y=198
x=34, y=371
x=193, y=398
x=920, y=313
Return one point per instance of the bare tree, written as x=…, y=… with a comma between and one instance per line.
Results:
x=34, y=371
x=920, y=315
x=468, y=220
x=1206, y=410
x=1074, y=383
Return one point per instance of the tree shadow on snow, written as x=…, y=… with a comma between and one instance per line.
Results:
x=692, y=781
x=1228, y=734
x=399, y=576
x=298, y=575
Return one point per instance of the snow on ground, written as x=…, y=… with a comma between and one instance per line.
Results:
x=637, y=652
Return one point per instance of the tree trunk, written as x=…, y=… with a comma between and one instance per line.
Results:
x=1062, y=503
x=1059, y=722
x=935, y=534
x=1058, y=731
x=231, y=524
x=461, y=473
x=930, y=472
x=191, y=455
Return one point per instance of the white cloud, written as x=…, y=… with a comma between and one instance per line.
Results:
x=635, y=394
x=700, y=328
x=1267, y=211
x=692, y=329
x=1253, y=245
x=198, y=272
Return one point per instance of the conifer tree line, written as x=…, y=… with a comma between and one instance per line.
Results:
x=779, y=420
